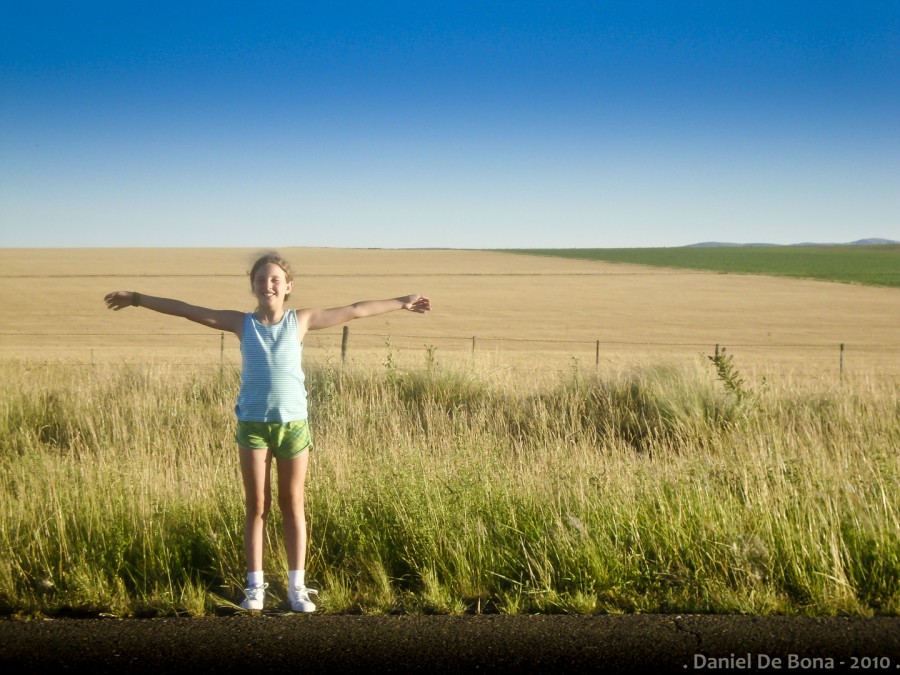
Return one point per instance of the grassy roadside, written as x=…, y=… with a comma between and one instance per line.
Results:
x=872, y=265
x=445, y=490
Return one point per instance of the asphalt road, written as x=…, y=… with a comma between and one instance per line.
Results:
x=485, y=643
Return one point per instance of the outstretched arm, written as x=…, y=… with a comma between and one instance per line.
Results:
x=220, y=319
x=325, y=318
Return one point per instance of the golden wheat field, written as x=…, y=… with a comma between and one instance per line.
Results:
x=524, y=312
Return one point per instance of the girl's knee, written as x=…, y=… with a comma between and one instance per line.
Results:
x=258, y=508
x=291, y=505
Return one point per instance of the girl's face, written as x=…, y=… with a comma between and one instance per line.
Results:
x=270, y=285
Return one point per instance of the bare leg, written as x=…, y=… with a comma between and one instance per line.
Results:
x=291, y=496
x=255, y=471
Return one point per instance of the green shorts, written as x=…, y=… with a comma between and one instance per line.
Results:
x=286, y=440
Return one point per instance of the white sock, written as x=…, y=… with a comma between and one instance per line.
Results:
x=254, y=579
x=296, y=578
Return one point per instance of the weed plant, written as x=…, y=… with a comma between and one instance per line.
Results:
x=453, y=490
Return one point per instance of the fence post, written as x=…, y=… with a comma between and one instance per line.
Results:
x=345, y=338
x=473, y=345
x=842, y=362
x=222, y=354
x=597, y=357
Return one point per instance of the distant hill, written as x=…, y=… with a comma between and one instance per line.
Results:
x=874, y=241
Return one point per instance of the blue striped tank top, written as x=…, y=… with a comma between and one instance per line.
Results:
x=272, y=382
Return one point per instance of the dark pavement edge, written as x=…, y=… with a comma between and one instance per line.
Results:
x=486, y=643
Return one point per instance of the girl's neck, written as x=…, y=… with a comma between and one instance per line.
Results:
x=269, y=316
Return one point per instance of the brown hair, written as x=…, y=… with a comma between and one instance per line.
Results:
x=272, y=257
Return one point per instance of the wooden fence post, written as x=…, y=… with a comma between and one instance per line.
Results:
x=597, y=357
x=345, y=338
x=222, y=354
x=842, y=362
x=473, y=345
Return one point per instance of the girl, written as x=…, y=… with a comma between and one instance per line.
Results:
x=271, y=405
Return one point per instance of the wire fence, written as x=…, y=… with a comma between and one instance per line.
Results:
x=345, y=348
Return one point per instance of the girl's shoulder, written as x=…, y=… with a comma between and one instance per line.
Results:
x=300, y=314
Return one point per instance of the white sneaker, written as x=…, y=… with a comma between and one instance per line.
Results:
x=256, y=597
x=299, y=599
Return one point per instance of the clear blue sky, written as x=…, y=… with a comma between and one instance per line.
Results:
x=453, y=124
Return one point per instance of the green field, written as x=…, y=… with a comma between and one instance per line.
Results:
x=872, y=265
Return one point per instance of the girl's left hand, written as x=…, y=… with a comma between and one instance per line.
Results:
x=417, y=303
x=119, y=300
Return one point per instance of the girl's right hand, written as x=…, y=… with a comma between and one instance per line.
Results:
x=119, y=300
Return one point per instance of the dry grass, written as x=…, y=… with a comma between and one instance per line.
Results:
x=527, y=312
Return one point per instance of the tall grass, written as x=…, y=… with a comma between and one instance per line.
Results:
x=453, y=490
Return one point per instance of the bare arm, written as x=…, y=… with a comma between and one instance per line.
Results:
x=316, y=319
x=220, y=319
